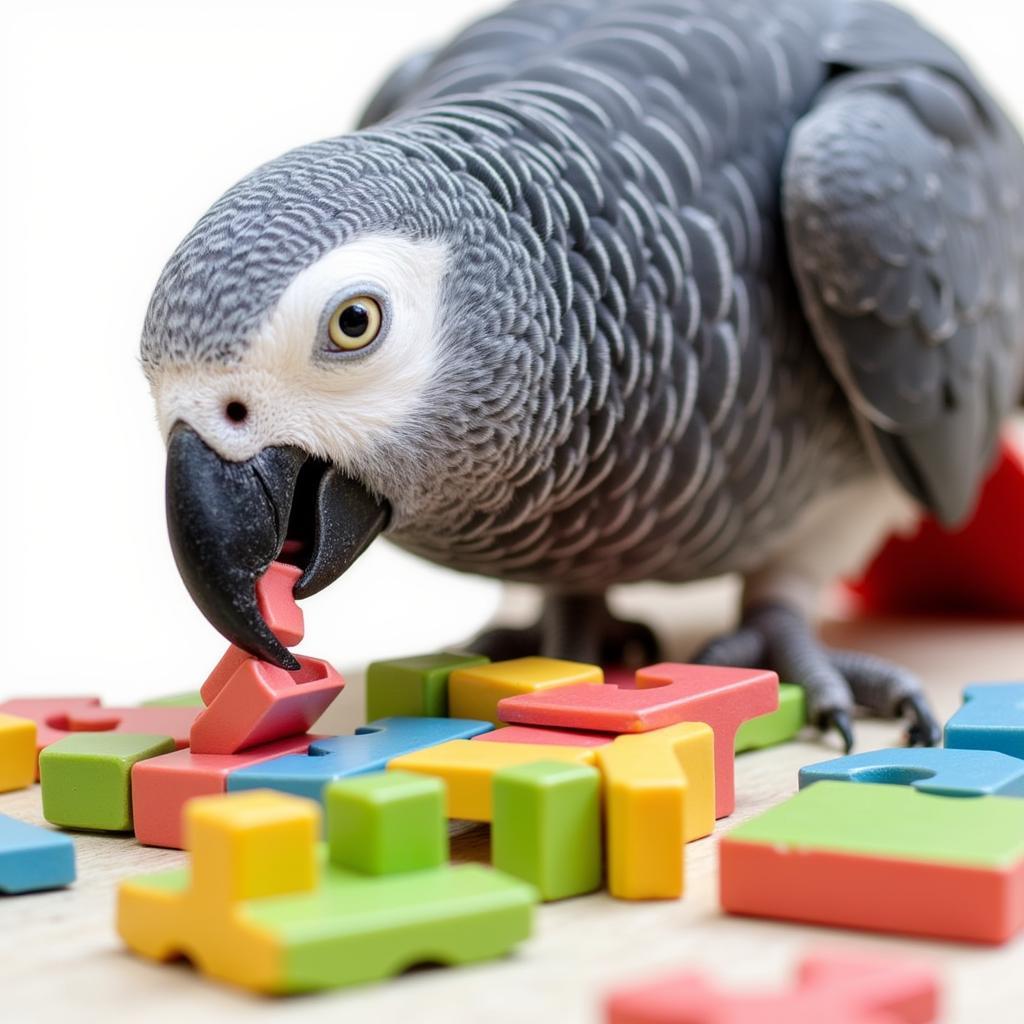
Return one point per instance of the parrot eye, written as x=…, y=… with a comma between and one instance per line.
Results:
x=354, y=323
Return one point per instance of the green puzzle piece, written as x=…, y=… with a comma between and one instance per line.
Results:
x=894, y=821
x=189, y=699
x=414, y=687
x=86, y=778
x=546, y=827
x=777, y=726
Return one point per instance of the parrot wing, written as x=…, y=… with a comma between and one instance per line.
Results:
x=903, y=197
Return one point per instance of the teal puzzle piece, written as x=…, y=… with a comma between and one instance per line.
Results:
x=928, y=769
x=991, y=718
x=33, y=858
x=339, y=757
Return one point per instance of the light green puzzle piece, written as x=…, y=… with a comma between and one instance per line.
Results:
x=894, y=821
x=190, y=699
x=546, y=826
x=86, y=777
x=777, y=726
x=414, y=687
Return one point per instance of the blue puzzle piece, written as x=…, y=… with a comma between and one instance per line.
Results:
x=369, y=750
x=928, y=769
x=992, y=718
x=33, y=858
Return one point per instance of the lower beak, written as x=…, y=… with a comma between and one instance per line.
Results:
x=229, y=520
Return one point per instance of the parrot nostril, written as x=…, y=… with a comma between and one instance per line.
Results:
x=236, y=412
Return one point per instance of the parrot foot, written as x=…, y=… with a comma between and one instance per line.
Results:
x=777, y=636
x=577, y=628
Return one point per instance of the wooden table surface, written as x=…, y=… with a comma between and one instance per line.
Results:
x=60, y=957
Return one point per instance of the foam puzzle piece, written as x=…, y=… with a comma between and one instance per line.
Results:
x=928, y=769
x=991, y=718
x=17, y=752
x=86, y=778
x=407, y=687
x=260, y=908
x=188, y=699
x=547, y=827
x=260, y=703
x=33, y=858
x=57, y=717
x=659, y=792
x=777, y=726
x=539, y=735
x=664, y=695
x=386, y=823
x=831, y=988
x=369, y=750
x=476, y=692
x=882, y=858
x=161, y=785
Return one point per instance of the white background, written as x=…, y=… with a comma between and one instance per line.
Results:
x=120, y=122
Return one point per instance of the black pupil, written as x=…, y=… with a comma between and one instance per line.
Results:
x=354, y=320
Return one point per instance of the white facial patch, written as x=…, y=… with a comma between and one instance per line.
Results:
x=292, y=390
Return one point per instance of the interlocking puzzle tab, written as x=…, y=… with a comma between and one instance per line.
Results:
x=369, y=750
x=991, y=718
x=86, y=778
x=665, y=694
x=659, y=795
x=17, y=752
x=883, y=858
x=260, y=909
x=408, y=687
x=831, y=988
x=939, y=770
x=476, y=692
x=33, y=858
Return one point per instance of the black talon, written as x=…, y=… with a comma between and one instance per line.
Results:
x=923, y=729
x=842, y=722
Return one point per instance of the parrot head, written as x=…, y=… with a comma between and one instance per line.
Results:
x=334, y=351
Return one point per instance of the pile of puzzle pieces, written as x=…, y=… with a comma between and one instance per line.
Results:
x=918, y=841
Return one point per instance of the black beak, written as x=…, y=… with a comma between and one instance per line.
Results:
x=229, y=520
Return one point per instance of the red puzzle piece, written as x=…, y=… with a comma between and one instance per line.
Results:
x=536, y=734
x=56, y=717
x=977, y=569
x=831, y=988
x=260, y=702
x=161, y=785
x=665, y=694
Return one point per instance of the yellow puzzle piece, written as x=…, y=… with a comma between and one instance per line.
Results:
x=474, y=692
x=17, y=752
x=468, y=768
x=659, y=792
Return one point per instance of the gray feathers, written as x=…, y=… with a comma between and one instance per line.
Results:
x=631, y=388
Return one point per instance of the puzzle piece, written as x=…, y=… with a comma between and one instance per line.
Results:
x=664, y=695
x=17, y=752
x=938, y=770
x=188, y=699
x=408, y=687
x=33, y=858
x=468, y=769
x=991, y=718
x=57, y=717
x=884, y=858
x=547, y=827
x=777, y=726
x=369, y=750
x=260, y=703
x=659, y=795
x=831, y=988
x=260, y=909
x=476, y=692
x=538, y=735
x=86, y=778
x=161, y=785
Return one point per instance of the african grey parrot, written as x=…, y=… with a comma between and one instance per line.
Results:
x=606, y=291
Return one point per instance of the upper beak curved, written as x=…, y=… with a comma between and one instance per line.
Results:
x=228, y=521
